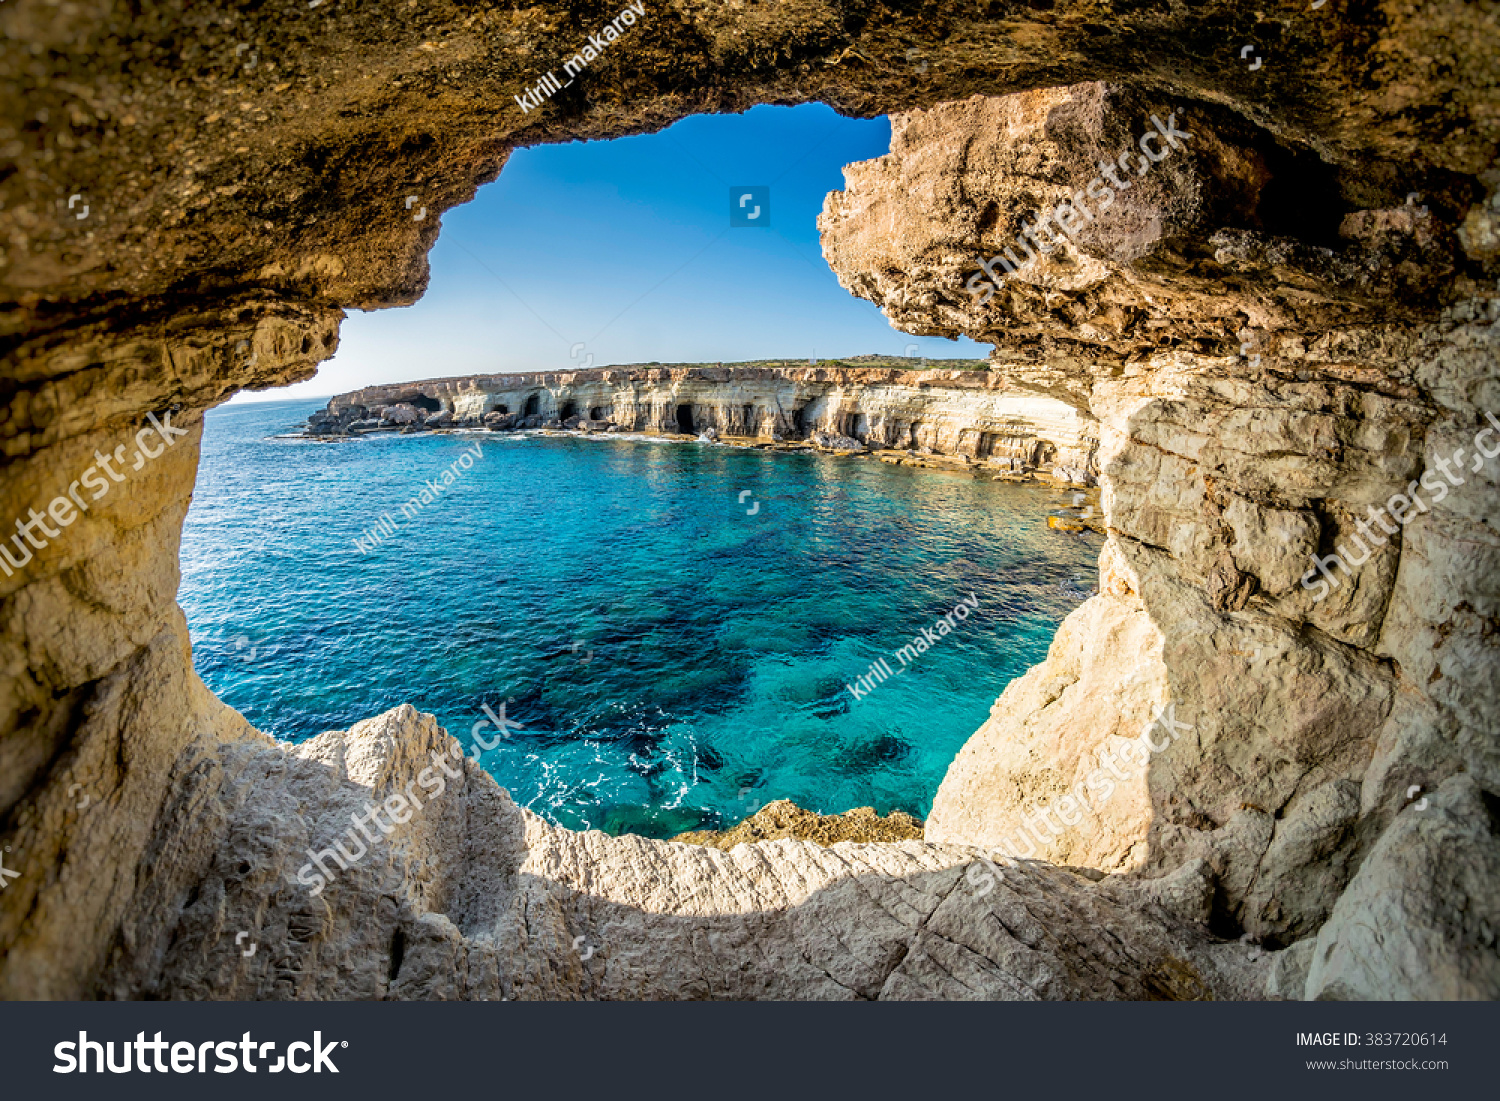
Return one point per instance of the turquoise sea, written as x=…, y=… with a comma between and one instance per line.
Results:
x=673, y=624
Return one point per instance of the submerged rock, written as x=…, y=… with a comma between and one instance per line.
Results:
x=784, y=819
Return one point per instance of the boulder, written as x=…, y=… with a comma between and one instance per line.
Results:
x=832, y=441
x=1289, y=967
x=402, y=414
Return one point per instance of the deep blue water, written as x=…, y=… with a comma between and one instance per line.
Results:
x=675, y=662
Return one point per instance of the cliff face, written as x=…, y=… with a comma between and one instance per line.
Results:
x=1337, y=723
x=971, y=413
x=1292, y=320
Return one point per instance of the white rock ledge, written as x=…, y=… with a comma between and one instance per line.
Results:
x=478, y=898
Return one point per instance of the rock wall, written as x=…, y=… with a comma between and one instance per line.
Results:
x=1335, y=721
x=1290, y=322
x=972, y=413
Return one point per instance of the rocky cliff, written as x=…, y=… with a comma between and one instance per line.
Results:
x=975, y=414
x=1300, y=458
x=1279, y=328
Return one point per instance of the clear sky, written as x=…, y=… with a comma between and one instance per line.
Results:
x=625, y=247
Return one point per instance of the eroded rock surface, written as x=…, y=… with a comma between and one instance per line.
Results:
x=474, y=897
x=976, y=414
x=1309, y=701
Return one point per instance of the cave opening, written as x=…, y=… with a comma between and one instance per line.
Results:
x=482, y=586
x=403, y=613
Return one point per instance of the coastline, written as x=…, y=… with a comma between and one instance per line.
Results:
x=971, y=420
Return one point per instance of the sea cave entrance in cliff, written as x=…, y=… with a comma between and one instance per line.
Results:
x=688, y=490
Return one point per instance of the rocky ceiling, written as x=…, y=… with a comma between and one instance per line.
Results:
x=242, y=155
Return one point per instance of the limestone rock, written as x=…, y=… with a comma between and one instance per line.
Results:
x=968, y=414
x=471, y=896
x=1288, y=977
x=1224, y=475
x=1016, y=783
x=1420, y=918
x=1281, y=330
x=832, y=441
x=1307, y=863
x=401, y=414
x=919, y=233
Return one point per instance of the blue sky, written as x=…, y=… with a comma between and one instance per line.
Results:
x=625, y=247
